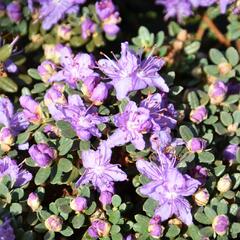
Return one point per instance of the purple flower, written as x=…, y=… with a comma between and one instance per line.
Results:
x=169, y=187
x=162, y=114
x=99, y=228
x=10, y=66
x=31, y=109
x=74, y=68
x=52, y=11
x=42, y=154
x=99, y=94
x=105, y=198
x=14, y=11
x=6, y=230
x=155, y=228
x=88, y=27
x=14, y=121
x=98, y=169
x=78, y=204
x=104, y=9
x=198, y=114
x=196, y=145
x=230, y=152
x=46, y=70
x=132, y=124
x=217, y=92
x=65, y=32
x=223, y=5
x=84, y=121
x=9, y=167
x=130, y=73
x=220, y=224
x=110, y=26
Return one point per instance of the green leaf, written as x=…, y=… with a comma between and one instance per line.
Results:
x=206, y=157
x=222, y=207
x=192, y=48
x=8, y=85
x=216, y=56
x=32, y=72
x=202, y=218
x=39, y=88
x=116, y=201
x=16, y=209
x=84, y=145
x=219, y=170
x=66, y=129
x=23, y=137
x=65, y=165
x=149, y=206
x=173, y=231
x=67, y=232
x=185, y=133
x=91, y=209
x=193, y=100
x=194, y=232
x=42, y=175
x=206, y=231
x=78, y=221
x=65, y=145
x=117, y=236
x=115, y=229
x=5, y=52
x=226, y=118
x=236, y=116
x=232, y=56
x=210, y=213
x=235, y=229
x=114, y=216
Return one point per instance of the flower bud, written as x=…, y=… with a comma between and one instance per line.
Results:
x=105, y=198
x=230, y=152
x=200, y=173
x=6, y=139
x=201, y=197
x=46, y=70
x=182, y=35
x=104, y=8
x=88, y=27
x=14, y=11
x=42, y=154
x=217, y=92
x=99, y=228
x=78, y=204
x=196, y=145
x=154, y=227
x=65, y=32
x=199, y=114
x=220, y=224
x=175, y=221
x=53, y=223
x=33, y=201
x=224, y=184
x=224, y=68
x=232, y=128
x=99, y=94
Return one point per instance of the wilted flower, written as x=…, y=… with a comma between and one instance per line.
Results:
x=52, y=11
x=169, y=187
x=6, y=230
x=98, y=169
x=6, y=139
x=224, y=184
x=105, y=198
x=132, y=124
x=88, y=27
x=230, y=152
x=198, y=114
x=78, y=204
x=99, y=228
x=31, y=109
x=46, y=70
x=83, y=120
x=196, y=145
x=200, y=173
x=14, y=11
x=54, y=52
x=130, y=73
x=9, y=167
x=201, y=197
x=155, y=228
x=53, y=223
x=220, y=224
x=217, y=92
x=42, y=154
x=33, y=201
